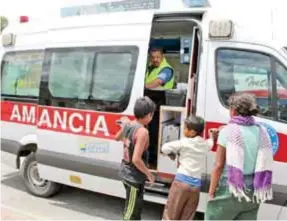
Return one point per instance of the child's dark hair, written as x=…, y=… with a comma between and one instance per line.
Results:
x=195, y=123
x=143, y=106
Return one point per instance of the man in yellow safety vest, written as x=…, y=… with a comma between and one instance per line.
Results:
x=159, y=75
x=159, y=72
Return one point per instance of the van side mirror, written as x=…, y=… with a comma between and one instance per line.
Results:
x=3, y=23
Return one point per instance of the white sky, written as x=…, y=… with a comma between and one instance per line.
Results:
x=38, y=8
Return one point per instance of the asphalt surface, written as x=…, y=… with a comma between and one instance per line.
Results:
x=70, y=204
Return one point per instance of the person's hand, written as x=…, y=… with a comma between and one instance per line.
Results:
x=151, y=178
x=210, y=196
x=122, y=121
x=125, y=120
x=172, y=156
x=213, y=132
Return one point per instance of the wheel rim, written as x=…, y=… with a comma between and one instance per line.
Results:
x=33, y=175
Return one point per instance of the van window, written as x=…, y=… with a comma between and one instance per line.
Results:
x=111, y=75
x=70, y=74
x=245, y=71
x=21, y=73
x=282, y=92
x=99, y=77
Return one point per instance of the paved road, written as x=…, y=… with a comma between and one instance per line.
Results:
x=70, y=204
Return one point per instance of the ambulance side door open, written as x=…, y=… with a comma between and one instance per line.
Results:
x=165, y=164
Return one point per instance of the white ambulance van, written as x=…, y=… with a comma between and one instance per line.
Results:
x=66, y=82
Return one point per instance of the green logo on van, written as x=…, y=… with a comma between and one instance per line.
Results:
x=94, y=147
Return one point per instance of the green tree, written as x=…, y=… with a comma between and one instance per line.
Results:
x=3, y=23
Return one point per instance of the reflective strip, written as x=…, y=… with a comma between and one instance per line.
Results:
x=131, y=205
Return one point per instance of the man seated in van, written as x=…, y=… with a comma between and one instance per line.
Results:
x=160, y=74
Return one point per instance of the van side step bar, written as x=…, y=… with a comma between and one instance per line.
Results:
x=158, y=188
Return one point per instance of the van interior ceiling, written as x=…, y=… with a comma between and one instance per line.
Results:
x=175, y=38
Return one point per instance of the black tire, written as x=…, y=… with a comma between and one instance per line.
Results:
x=37, y=187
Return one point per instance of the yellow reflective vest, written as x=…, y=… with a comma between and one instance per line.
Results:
x=151, y=76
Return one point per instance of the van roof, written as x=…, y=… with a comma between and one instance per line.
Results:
x=117, y=18
x=268, y=23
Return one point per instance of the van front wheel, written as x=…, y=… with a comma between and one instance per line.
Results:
x=34, y=184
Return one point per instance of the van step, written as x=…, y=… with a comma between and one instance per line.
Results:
x=157, y=188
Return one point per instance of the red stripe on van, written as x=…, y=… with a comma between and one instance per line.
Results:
x=165, y=176
x=86, y=123
x=74, y=121
x=281, y=154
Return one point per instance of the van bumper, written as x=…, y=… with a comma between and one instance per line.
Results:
x=9, y=159
x=9, y=153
